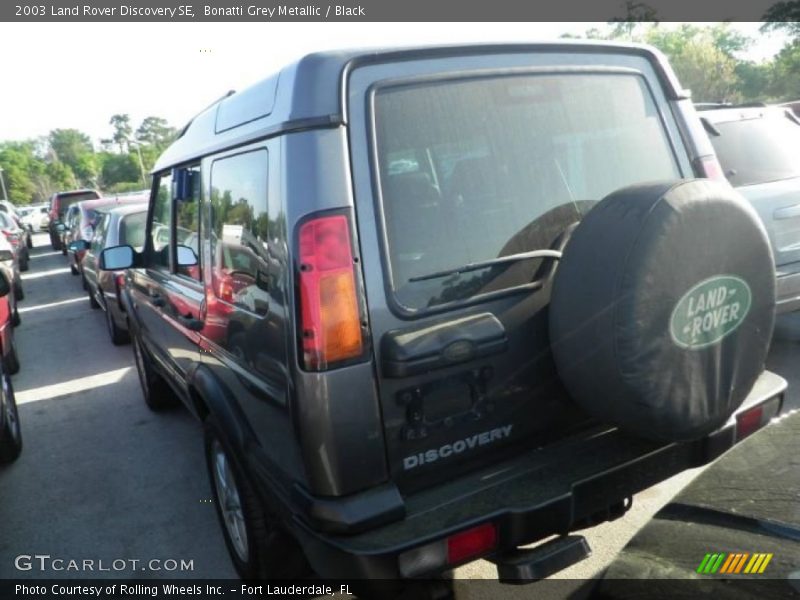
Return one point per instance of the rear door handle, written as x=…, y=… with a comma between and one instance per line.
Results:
x=190, y=322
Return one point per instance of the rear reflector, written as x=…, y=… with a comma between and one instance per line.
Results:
x=450, y=551
x=755, y=418
x=471, y=543
x=329, y=297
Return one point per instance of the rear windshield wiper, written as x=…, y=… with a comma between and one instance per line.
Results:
x=490, y=263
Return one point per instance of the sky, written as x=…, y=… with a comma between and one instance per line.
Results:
x=76, y=75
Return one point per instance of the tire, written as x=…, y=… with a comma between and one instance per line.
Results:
x=55, y=242
x=119, y=337
x=11, y=360
x=666, y=329
x=74, y=270
x=15, y=318
x=23, y=264
x=92, y=300
x=258, y=547
x=29, y=242
x=156, y=392
x=10, y=432
x=63, y=249
x=19, y=293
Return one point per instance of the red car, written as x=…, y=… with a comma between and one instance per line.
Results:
x=8, y=348
x=59, y=203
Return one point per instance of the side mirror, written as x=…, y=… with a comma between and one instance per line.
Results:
x=5, y=286
x=6, y=255
x=116, y=258
x=186, y=256
x=183, y=184
x=78, y=245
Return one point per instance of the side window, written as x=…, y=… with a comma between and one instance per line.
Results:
x=131, y=230
x=160, y=229
x=239, y=230
x=100, y=232
x=187, y=227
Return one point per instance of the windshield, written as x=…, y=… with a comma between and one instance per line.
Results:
x=472, y=170
x=758, y=150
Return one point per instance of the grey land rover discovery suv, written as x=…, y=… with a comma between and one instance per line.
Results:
x=434, y=304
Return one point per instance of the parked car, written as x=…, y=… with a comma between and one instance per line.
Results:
x=10, y=268
x=9, y=318
x=10, y=431
x=15, y=235
x=35, y=218
x=120, y=225
x=59, y=203
x=477, y=328
x=759, y=150
x=68, y=230
x=82, y=219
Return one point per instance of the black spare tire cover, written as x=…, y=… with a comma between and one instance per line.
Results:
x=663, y=306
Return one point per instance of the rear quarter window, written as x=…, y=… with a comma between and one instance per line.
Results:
x=475, y=169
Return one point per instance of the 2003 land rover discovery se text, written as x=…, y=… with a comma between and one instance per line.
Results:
x=435, y=304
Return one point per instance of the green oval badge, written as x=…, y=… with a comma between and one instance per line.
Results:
x=709, y=311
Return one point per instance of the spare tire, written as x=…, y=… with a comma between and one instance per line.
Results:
x=663, y=307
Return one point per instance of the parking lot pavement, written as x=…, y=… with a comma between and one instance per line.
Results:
x=100, y=476
x=103, y=478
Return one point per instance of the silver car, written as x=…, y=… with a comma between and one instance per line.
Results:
x=759, y=150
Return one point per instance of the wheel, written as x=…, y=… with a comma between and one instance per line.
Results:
x=15, y=318
x=10, y=433
x=74, y=270
x=19, y=294
x=63, y=249
x=29, y=242
x=55, y=242
x=118, y=336
x=23, y=264
x=11, y=360
x=258, y=548
x=157, y=393
x=92, y=300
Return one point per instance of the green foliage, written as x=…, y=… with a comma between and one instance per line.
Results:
x=708, y=59
x=66, y=159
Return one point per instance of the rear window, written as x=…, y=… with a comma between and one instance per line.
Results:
x=758, y=150
x=476, y=169
x=132, y=230
x=67, y=200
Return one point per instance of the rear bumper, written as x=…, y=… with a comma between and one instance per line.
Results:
x=543, y=492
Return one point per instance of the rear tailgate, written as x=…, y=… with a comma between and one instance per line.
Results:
x=472, y=159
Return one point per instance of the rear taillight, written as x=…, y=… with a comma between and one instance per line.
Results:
x=329, y=298
x=448, y=552
x=119, y=283
x=709, y=167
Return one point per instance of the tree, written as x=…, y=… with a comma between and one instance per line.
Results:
x=155, y=131
x=122, y=130
x=119, y=168
x=75, y=150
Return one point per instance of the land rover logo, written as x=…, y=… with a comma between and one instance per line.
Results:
x=709, y=311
